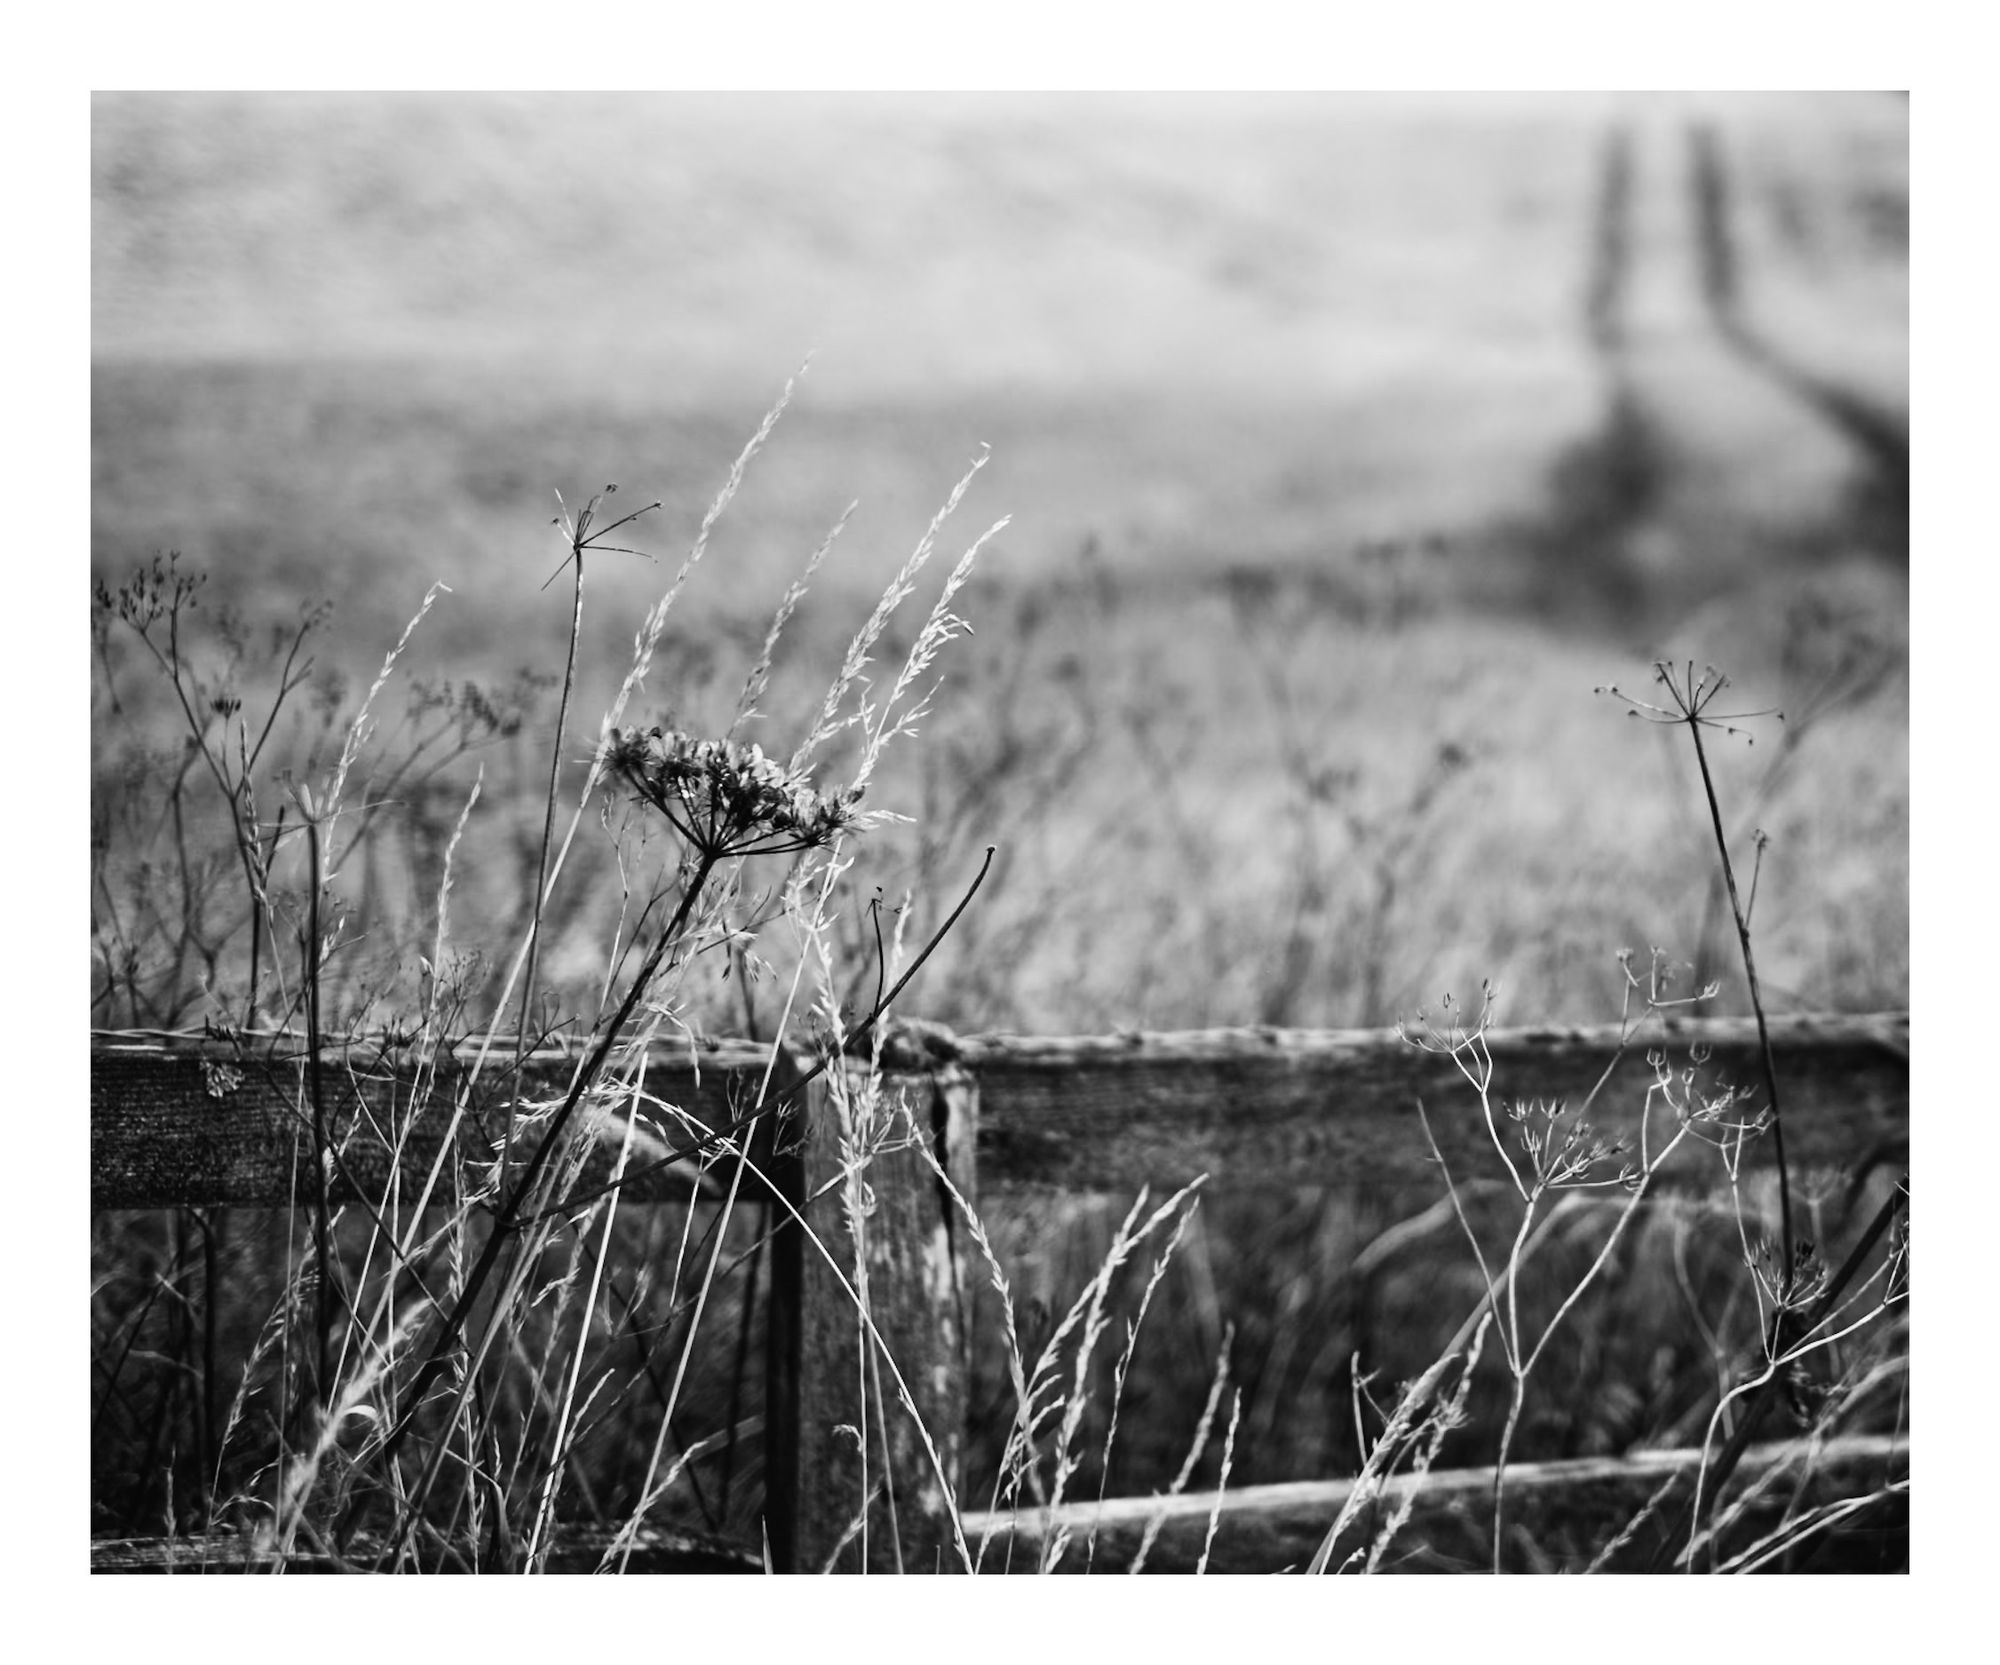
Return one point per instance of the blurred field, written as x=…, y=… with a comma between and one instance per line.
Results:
x=1349, y=445
x=1227, y=353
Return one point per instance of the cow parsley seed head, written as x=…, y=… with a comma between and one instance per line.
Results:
x=729, y=799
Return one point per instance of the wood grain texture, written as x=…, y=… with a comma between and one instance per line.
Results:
x=1263, y=1529
x=1302, y=1107
x=575, y=1550
x=1566, y=1511
x=878, y=1211
x=186, y=1121
x=179, y=1120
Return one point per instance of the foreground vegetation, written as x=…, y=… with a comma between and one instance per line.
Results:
x=1362, y=792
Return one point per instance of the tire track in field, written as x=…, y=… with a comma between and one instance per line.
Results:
x=1602, y=491
x=1879, y=504
x=1718, y=460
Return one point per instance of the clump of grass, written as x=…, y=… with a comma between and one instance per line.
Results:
x=434, y=1361
x=1556, y=1166
x=1562, y=1159
x=1040, y=1457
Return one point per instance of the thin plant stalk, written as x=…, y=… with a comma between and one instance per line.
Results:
x=1756, y=1000
x=542, y=862
x=581, y=540
x=509, y=1215
x=1690, y=705
x=316, y=1095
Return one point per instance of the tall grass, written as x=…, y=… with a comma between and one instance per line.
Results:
x=441, y=1375
x=425, y=1377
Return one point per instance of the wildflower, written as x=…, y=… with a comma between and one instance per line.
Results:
x=1690, y=699
x=728, y=799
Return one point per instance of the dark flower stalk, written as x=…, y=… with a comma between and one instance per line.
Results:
x=1691, y=701
x=728, y=801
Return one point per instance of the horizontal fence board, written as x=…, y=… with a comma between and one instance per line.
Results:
x=575, y=1550
x=1292, y=1107
x=1585, y=1501
x=1262, y=1529
x=180, y=1120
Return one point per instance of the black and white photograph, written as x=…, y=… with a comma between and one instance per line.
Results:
x=1007, y=832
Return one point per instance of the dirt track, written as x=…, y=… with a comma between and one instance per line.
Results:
x=1723, y=454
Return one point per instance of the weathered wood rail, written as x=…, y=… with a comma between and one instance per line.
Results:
x=182, y=1120
x=1567, y=1510
x=178, y=1120
x=1575, y=1505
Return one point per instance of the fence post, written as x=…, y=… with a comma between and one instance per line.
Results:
x=875, y=1204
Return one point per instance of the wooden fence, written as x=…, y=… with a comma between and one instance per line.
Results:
x=178, y=1120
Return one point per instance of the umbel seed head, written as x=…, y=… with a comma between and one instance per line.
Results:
x=729, y=799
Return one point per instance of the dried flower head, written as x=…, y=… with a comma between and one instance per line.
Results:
x=728, y=799
x=1690, y=700
x=1563, y=1149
